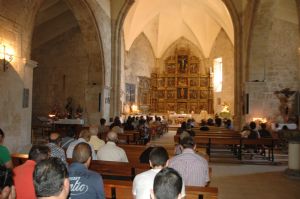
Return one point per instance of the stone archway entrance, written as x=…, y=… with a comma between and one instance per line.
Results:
x=239, y=77
x=67, y=45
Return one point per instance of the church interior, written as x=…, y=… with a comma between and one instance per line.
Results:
x=79, y=61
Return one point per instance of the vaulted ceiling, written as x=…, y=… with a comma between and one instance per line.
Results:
x=53, y=19
x=165, y=21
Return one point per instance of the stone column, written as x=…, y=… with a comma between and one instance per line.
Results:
x=119, y=12
x=29, y=65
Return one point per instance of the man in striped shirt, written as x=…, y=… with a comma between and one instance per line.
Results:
x=192, y=167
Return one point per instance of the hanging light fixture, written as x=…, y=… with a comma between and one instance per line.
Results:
x=6, y=56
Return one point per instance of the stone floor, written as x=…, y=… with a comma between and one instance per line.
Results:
x=245, y=181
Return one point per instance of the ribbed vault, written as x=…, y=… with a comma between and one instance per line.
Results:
x=164, y=21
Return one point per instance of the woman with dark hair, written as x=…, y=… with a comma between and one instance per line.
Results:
x=5, y=158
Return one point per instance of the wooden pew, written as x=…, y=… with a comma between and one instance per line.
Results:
x=235, y=140
x=115, y=189
x=126, y=137
x=112, y=170
x=133, y=152
x=266, y=142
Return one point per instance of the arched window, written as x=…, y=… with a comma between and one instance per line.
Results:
x=218, y=74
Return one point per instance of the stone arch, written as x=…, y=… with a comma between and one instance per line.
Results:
x=238, y=66
x=89, y=31
x=115, y=106
x=91, y=35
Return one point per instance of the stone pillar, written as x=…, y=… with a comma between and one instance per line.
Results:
x=294, y=159
x=29, y=65
x=106, y=102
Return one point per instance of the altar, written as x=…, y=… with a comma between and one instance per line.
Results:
x=178, y=118
x=69, y=121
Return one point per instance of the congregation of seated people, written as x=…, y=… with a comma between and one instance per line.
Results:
x=47, y=164
x=27, y=179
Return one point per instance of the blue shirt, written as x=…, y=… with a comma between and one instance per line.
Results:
x=85, y=184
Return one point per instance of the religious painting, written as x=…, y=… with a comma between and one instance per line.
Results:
x=130, y=92
x=160, y=94
x=193, y=94
x=171, y=107
x=182, y=81
x=193, y=107
x=203, y=106
x=204, y=94
x=171, y=94
x=194, y=82
x=171, y=68
x=182, y=63
x=144, y=83
x=182, y=93
x=204, y=82
x=171, y=82
x=161, y=82
x=194, y=68
x=182, y=107
x=160, y=107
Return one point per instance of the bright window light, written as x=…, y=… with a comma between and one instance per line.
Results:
x=218, y=74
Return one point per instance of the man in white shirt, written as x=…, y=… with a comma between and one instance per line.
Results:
x=167, y=185
x=110, y=151
x=84, y=136
x=143, y=183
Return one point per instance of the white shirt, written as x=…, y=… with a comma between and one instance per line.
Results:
x=74, y=143
x=143, y=184
x=111, y=152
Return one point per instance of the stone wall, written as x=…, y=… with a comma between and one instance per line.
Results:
x=274, y=58
x=139, y=61
x=15, y=21
x=224, y=48
x=62, y=73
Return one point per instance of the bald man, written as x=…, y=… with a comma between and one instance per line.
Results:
x=55, y=149
x=110, y=151
x=85, y=137
x=83, y=182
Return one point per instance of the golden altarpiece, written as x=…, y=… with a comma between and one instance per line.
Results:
x=181, y=88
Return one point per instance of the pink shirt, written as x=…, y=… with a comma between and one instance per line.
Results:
x=23, y=180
